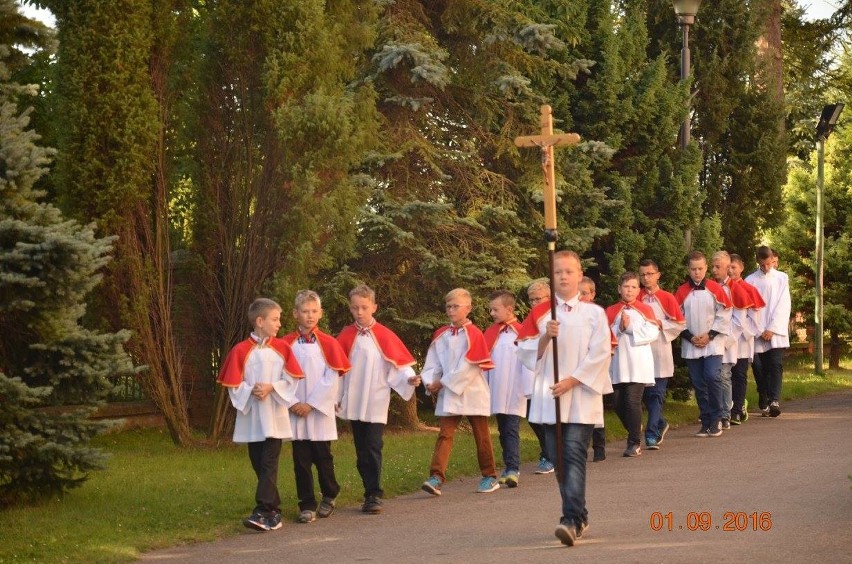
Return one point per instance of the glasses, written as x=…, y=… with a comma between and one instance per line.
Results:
x=453, y=307
x=645, y=274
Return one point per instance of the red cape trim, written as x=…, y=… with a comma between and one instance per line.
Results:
x=477, y=351
x=493, y=332
x=529, y=327
x=231, y=373
x=744, y=295
x=643, y=309
x=668, y=302
x=332, y=352
x=709, y=285
x=390, y=345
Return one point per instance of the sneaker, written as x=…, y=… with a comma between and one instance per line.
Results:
x=372, y=505
x=745, y=411
x=774, y=409
x=651, y=443
x=512, y=478
x=632, y=450
x=715, y=430
x=704, y=432
x=503, y=476
x=256, y=521
x=726, y=424
x=567, y=533
x=544, y=466
x=581, y=530
x=432, y=485
x=326, y=507
x=764, y=411
x=736, y=419
x=307, y=516
x=600, y=455
x=663, y=434
x=274, y=523
x=488, y=484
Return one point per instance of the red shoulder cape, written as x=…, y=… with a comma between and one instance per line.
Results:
x=667, y=301
x=744, y=295
x=231, y=373
x=333, y=353
x=709, y=285
x=392, y=348
x=643, y=309
x=493, y=332
x=529, y=327
x=478, y=351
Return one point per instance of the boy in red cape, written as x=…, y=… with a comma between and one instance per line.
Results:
x=634, y=326
x=707, y=311
x=454, y=373
x=313, y=407
x=745, y=326
x=509, y=382
x=380, y=362
x=671, y=323
x=260, y=374
x=584, y=343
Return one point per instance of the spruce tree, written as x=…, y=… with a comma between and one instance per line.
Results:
x=54, y=371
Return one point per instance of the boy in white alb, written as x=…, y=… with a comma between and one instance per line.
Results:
x=720, y=261
x=745, y=326
x=260, y=374
x=380, y=363
x=583, y=341
x=510, y=383
x=454, y=372
x=313, y=408
x=538, y=292
x=632, y=369
x=671, y=323
x=588, y=291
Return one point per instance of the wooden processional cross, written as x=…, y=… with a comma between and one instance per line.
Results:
x=546, y=142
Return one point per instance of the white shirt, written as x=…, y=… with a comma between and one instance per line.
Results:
x=662, y=346
x=257, y=419
x=510, y=382
x=633, y=361
x=702, y=314
x=365, y=390
x=774, y=288
x=584, y=347
x=465, y=390
x=319, y=389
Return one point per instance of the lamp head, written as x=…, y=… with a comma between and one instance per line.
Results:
x=828, y=119
x=686, y=10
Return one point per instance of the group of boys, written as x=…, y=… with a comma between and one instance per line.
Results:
x=292, y=388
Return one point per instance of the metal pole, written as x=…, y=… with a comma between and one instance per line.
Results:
x=818, y=267
x=684, y=74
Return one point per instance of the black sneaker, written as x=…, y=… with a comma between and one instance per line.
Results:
x=726, y=424
x=703, y=433
x=372, y=505
x=632, y=450
x=326, y=507
x=567, y=533
x=274, y=522
x=600, y=455
x=715, y=430
x=736, y=419
x=581, y=530
x=256, y=521
x=774, y=409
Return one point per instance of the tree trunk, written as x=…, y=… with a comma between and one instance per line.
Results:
x=770, y=49
x=836, y=350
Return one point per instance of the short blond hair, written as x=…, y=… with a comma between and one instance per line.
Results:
x=304, y=296
x=363, y=291
x=261, y=308
x=540, y=284
x=458, y=293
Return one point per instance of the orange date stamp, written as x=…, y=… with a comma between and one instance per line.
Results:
x=731, y=521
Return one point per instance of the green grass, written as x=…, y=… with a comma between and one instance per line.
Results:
x=154, y=495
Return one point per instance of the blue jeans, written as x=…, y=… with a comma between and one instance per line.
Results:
x=572, y=487
x=706, y=377
x=509, y=427
x=727, y=390
x=653, y=398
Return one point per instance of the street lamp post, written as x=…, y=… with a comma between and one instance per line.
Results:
x=685, y=10
x=827, y=121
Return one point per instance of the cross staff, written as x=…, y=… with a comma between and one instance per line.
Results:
x=547, y=141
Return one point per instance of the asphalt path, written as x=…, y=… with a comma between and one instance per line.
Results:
x=772, y=490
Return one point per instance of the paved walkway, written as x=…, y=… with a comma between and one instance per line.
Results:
x=785, y=482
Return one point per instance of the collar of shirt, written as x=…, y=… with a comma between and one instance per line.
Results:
x=572, y=303
x=699, y=286
x=365, y=330
x=506, y=326
x=258, y=341
x=456, y=330
x=307, y=338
